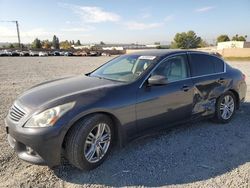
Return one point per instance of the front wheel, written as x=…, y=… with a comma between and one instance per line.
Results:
x=89, y=141
x=225, y=107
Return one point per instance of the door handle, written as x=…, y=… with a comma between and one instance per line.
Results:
x=185, y=88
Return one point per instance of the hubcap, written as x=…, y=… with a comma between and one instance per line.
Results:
x=97, y=143
x=227, y=107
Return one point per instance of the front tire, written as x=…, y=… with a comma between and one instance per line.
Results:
x=225, y=107
x=89, y=141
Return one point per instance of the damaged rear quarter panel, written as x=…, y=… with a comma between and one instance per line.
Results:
x=206, y=90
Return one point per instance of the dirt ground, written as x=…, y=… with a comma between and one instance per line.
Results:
x=201, y=154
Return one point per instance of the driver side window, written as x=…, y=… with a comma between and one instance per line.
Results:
x=173, y=68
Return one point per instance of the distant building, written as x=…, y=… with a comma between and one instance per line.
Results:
x=83, y=46
x=153, y=45
x=233, y=44
x=113, y=48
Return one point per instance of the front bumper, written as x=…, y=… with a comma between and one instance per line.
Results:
x=35, y=145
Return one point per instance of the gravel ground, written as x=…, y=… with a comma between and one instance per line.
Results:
x=201, y=154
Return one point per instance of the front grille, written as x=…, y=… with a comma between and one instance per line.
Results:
x=16, y=113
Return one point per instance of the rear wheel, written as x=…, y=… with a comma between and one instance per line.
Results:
x=225, y=107
x=89, y=141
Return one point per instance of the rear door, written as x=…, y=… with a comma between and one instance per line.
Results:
x=208, y=76
x=161, y=105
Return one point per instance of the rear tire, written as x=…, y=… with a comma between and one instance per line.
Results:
x=225, y=108
x=89, y=141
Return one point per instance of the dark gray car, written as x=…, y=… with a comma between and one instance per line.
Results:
x=82, y=117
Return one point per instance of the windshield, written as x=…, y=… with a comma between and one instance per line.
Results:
x=125, y=68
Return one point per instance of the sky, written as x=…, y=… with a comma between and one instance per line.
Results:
x=122, y=21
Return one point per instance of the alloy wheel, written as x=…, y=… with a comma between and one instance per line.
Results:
x=227, y=107
x=97, y=143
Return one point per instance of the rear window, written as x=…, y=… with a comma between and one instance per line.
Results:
x=202, y=64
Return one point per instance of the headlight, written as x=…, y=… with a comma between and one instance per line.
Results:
x=49, y=117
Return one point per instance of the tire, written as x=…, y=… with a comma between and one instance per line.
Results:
x=220, y=115
x=83, y=142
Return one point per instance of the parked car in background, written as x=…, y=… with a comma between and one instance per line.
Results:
x=33, y=53
x=82, y=117
x=62, y=53
x=43, y=54
x=68, y=54
x=24, y=53
x=15, y=53
x=93, y=53
x=56, y=53
x=80, y=53
x=4, y=53
x=105, y=54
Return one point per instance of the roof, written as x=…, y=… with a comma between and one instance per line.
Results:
x=161, y=52
x=153, y=52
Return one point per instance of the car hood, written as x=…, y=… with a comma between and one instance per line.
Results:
x=49, y=91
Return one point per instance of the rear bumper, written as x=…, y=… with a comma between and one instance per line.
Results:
x=37, y=146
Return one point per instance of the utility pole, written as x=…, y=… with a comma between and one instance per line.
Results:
x=18, y=33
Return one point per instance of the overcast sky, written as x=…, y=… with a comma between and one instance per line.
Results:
x=127, y=21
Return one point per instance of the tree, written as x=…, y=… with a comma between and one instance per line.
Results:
x=235, y=38
x=102, y=43
x=36, y=43
x=72, y=42
x=78, y=43
x=203, y=44
x=65, y=45
x=186, y=40
x=11, y=46
x=55, y=42
x=14, y=45
x=239, y=38
x=46, y=44
x=223, y=38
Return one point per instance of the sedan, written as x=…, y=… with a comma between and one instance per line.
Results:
x=41, y=54
x=82, y=117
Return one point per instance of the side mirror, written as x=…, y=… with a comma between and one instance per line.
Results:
x=157, y=80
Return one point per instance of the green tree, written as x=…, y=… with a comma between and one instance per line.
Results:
x=186, y=40
x=223, y=38
x=72, y=42
x=78, y=43
x=11, y=46
x=235, y=37
x=239, y=38
x=36, y=43
x=55, y=42
x=203, y=44
x=65, y=45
